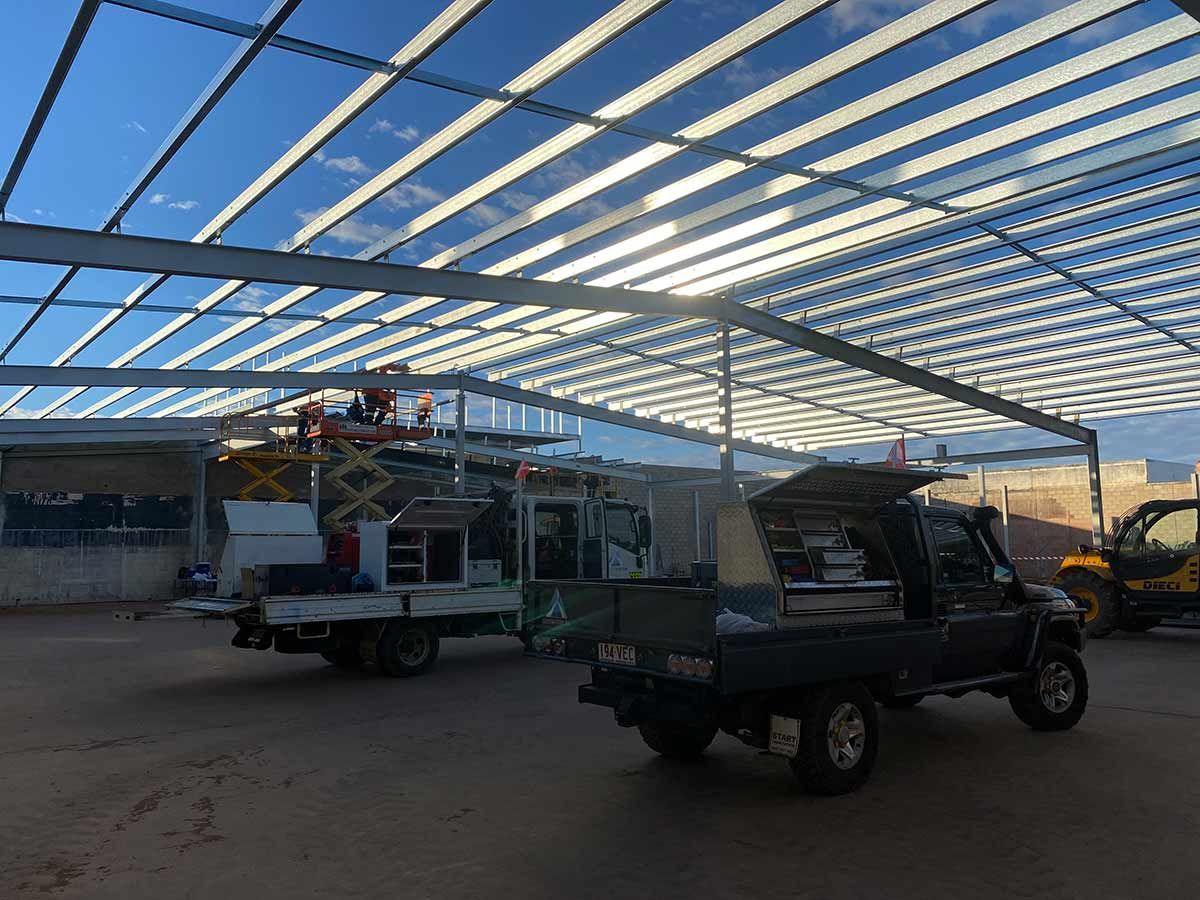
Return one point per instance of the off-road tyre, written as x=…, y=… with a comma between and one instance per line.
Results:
x=821, y=764
x=677, y=741
x=1098, y=596
x=1055, y=698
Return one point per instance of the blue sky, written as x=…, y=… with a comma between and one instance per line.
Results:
x=136, y=74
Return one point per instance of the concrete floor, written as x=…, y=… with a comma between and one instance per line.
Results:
x=153, y=759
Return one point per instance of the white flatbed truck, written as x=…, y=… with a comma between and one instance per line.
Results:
x=429, y=587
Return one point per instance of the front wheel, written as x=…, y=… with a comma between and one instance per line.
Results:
x=839, y=739
x=1056, y=697
x=677, y=741
x=407, y=649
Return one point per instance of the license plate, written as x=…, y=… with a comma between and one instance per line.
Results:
x=617, y=653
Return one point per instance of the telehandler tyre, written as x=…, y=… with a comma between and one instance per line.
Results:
x=1100, y=598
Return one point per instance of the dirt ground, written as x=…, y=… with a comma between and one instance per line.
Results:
x=153, y=759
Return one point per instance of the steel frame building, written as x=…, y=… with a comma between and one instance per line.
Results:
x=1037, y=272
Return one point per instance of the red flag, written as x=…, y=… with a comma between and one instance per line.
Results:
x=522, y=470
x=896, y=457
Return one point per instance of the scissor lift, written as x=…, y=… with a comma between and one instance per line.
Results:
x=340, y=426
x=241, y=442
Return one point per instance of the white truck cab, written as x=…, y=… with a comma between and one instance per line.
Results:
x=584, y=537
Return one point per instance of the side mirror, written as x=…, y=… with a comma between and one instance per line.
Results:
x=1002, y=574
x=645, y=531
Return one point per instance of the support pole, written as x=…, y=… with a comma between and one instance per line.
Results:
x=651, y=571
x=696, y=523
x=460, y=443
x=982, y=486
x=727, y=477
x=1004, y=520
x=314, y=491
x=199, y=512
x=1093, y=459
x=1196, y=485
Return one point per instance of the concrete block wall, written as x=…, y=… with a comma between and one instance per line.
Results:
x=1050, y=510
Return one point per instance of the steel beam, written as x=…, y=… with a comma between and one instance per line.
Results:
x=270, y=22
x=87, y=249
x=74, y=40
x=536, y=459
x=999, y=456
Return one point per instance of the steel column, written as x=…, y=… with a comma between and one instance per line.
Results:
x=314, y=491
x=696, y=523
x=651, y=568
x=1004, y=519
x=1093, y=462
x=726, y=388
x=199, y=509
x=460, y=442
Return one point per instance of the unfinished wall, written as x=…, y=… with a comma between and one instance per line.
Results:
x=1050, y=510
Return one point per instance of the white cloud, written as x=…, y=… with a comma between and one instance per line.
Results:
x=410, y=194
x=484, y=215
x=517, y=200
x=136, y=125
x=319, y=155
x=185, y=205
x=354, y=230
x=351, y=165
x=156, y=199
x=741, y=75
x=408, y=133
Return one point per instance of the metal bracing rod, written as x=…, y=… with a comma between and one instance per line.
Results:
x=1032, y=35
x=759, y=194
x=237, y=63
x=1129, y=201
x=458, y=13
x=66, y=56
x=674, y=78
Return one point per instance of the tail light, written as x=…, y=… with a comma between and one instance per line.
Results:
x=691, y=666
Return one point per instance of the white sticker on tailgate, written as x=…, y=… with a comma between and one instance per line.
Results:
x=785, y=736
x=616, y=653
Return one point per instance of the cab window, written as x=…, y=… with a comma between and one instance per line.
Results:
x=556, y=540
x=622, y=527
x=1158, y=533
x=960, y=559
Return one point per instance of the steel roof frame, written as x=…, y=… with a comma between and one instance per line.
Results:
x=899, y=32
x=1014, y=299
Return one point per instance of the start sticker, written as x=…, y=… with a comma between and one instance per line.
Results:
x=785, y=736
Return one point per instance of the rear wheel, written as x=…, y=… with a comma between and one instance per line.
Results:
x=1056, y=697
x=677, y=741
x=839, y=739
x=406, y=649
x=1097, y=596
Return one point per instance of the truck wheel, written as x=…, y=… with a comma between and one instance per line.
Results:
x=344, y=657
x=1055, y=698
x=901, y=702
x=839, y=739
x=1098, y=596
x=676, y=741
x=406, y=649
